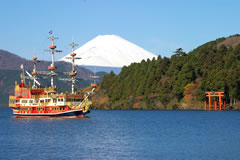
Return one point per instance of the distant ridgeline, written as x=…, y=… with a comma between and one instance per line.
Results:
x=178, y=82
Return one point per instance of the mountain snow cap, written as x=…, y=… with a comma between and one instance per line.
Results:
x=109, y=51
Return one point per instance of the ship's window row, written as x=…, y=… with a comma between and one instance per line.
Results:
x=23, y=109
x=24, y=101
x=60, y=100
x=31, y=101
x=45, y=100
x=58, y=108
x=41, y=108
x=73, y=100
x=21, y=94
x=13, y=101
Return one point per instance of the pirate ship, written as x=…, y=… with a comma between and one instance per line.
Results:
x=38, y=101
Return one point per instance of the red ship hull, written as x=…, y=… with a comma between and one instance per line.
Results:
x=73, y=113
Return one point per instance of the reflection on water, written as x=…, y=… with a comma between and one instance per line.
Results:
x=123, y=135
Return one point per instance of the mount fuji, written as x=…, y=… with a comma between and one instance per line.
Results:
x=109, y=51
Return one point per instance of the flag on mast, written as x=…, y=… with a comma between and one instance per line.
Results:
x=50, y=32
x=21, y=66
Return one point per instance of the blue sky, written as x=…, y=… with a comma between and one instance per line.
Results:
x=159, y=26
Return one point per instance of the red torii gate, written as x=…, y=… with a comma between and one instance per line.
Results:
x=214, y=94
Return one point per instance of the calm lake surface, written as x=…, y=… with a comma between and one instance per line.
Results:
x=166, y=135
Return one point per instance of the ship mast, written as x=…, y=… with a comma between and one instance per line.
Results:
x=94, y=77
x=52, y=67
x=73, y=73
x=34, y=72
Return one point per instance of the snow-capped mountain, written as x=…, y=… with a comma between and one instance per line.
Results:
x=109, y=51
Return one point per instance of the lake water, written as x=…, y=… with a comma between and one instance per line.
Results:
x=130, y=135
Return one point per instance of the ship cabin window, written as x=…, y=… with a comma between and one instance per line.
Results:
x=18, y=94
x=11, y=100
x=55, y=108
x=17, y=101
x=23, y=101
x=40, y=109
x=60, y=100
x=36, y=101
x=73, y=100
x=30, y=101
x=34, y=108
x=25, y=94
x=77, y=100
x=47, y=100
x=41, y=100
x=54, y=100
x=23, y=108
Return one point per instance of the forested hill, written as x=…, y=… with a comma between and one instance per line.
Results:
x=178, y=82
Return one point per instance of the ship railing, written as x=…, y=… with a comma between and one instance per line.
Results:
x=50, y=89
x=35, y=96
x=12, y=97
x=48, y=96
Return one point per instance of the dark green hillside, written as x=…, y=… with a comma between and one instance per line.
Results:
x=178, y=82
x=7, y=81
